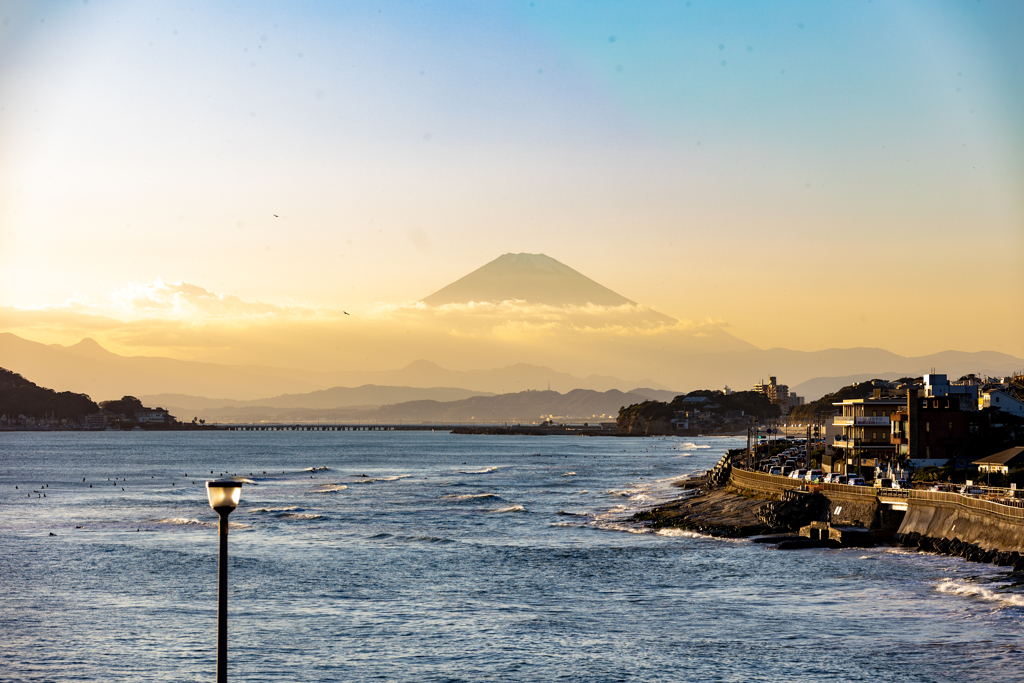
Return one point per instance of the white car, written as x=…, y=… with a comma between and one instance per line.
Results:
x=855, y=481
x=814, y=475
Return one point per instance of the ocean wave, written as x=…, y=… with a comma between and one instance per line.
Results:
x=289, y=509
x=681, y=477
x=513, y=508
x=316, y=469
x=973, y=590
x=373, y=480
x=580, y=493
x=330, y=488
x=690, y=446
x=299, y=515
x=470, y=496
x=569, y=474
x=685, y=533
x=617, y=526
x=571, y=514
x=485, y=470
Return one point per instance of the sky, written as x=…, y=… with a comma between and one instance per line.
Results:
x=804, y=175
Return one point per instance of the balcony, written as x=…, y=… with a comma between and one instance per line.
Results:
x=861, y=444
x=877, y=421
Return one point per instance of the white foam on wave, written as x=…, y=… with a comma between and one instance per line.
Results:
x=569, y=474
x=315, y=469
x=580, y=493
x=681, y=477
x=288, y=509
x=300, y=515
x=973, y=590
x=690, y=446
x=469, y=496
x=372, y=480
x=330, y=488
x=513, y=508
x=485, y=470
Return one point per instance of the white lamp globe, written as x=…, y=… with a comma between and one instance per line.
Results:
x=224, y=493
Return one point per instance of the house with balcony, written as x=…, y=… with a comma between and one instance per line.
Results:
x=863, y=441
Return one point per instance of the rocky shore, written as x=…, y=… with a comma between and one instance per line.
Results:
x=714, y=507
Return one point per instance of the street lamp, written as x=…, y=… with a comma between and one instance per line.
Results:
x=224, y=496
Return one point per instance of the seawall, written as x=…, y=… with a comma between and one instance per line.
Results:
x=914, y=515
x=982, y=528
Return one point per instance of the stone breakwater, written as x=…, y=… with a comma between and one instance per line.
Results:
x=969, y=551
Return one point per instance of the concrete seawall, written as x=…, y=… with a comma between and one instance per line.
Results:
x=987, y=530
x=935, y=516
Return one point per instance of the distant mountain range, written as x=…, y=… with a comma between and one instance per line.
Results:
x=89, y=368
x=523, y=406
x=587, y=325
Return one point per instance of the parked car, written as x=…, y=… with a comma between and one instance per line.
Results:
x=775, y=470
x=971, y=491
x=814, y=475
x=855, y=481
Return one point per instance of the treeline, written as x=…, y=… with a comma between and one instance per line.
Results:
x=650, y=417
x=18, y=396
x=807, y=411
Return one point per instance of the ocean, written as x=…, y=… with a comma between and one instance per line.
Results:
x=427, y=556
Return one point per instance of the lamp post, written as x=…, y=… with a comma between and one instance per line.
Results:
x=224, y=497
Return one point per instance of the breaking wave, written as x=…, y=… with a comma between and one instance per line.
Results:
x=485, y=470
x=330, y=488
x=514, y=508
x=470, y=496
x=973, y=590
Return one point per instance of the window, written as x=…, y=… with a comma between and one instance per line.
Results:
x=927, y=426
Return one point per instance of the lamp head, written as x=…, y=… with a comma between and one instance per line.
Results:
x=224, y=494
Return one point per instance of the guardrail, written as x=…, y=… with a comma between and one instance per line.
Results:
x=1007, y=507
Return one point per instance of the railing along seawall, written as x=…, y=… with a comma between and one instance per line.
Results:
x=1011, y=508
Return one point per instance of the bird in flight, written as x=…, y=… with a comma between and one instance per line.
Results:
x=346, y=313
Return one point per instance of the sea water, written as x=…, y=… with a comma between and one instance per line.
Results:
x=427, y=556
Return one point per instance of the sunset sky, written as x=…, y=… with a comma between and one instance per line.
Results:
x=804, y=174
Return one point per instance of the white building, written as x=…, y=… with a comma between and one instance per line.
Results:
x=152, y=416
x=1003, y=400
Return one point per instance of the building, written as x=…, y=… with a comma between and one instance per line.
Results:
x=865, y=439
x=1003, y=400
x=931, y=430
x=1002, y=462
x=779, y=394
x=153, y=416
x=94, y=421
